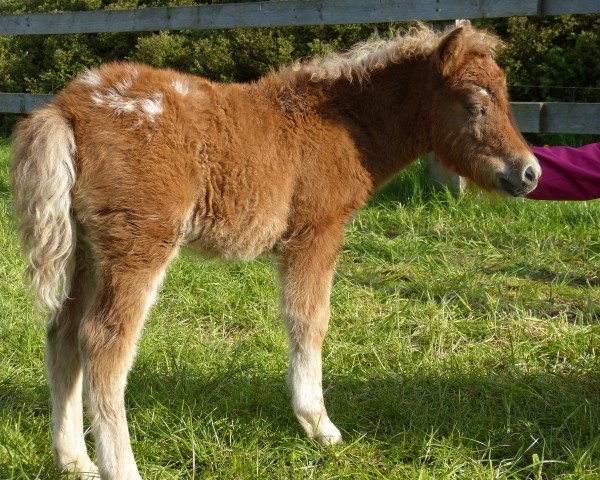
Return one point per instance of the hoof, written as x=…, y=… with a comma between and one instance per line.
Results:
x=131, y=474
x=327, y=440
x=327, y=433
x=82, y=470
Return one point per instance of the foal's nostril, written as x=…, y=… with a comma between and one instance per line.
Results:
x=530, y=175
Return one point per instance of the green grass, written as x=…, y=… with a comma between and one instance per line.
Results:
x=463, y=344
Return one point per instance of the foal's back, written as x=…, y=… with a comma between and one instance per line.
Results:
x=181, y=158
x=226, y=169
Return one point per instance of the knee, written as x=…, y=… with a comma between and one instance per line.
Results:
x=107, y=355
x=96, y=337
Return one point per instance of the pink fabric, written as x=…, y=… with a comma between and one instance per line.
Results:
x=568, y=173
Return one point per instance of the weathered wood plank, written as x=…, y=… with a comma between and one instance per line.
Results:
x=561, y=7
x=261, y=14
x=531, y=117
x=557, y=117
x=22, y=102
x=570, y=118
x=527, y=115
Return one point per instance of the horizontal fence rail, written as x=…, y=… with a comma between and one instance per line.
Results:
x=531, y=117
x=557, y=117
x=280, y=14
x=22, y=102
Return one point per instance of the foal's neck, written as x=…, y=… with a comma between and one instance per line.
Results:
x=389, y=115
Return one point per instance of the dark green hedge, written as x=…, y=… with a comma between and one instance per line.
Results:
x=546, y=58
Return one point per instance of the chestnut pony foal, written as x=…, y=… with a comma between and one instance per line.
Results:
x=130, y=163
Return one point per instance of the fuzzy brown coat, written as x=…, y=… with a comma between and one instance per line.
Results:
x=130, y=163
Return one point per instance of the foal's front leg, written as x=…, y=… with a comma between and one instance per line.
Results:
x=306, y=269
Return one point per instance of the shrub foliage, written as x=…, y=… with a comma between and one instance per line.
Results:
x=546, y=58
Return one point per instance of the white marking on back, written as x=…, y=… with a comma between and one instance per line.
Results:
x=90, y=77
x=120, y=104
x=118, y=98
x=152, y=106
x=127, y=82
x=180, y=86
x=97, y=98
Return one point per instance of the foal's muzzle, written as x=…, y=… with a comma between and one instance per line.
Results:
x=522, y=178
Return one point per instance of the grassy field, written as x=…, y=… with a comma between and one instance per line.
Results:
x=463, y=344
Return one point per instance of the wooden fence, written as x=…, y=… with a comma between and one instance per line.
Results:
x=535, y=117
x=282, y=13
x=531, y=117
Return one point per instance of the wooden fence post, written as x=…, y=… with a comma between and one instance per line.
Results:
x=440, y=175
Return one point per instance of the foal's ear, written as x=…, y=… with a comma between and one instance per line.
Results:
x=452, y=49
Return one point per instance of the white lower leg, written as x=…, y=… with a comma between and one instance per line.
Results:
x=306, y=268
x=111, y=435
x=68, y=444
x=65, y=378
x=304, y=380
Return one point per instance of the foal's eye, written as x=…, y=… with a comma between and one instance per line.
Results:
x=475, y=110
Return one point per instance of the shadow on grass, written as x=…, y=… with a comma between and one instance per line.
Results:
x=534, y=272
x=503, y=412
x=500, y=417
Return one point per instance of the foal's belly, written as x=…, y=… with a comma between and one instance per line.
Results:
x=241, y=238
x=243, y=203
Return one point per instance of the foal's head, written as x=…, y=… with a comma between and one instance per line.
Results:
x=474, y=132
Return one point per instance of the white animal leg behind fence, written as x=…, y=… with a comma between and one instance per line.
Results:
x=442, y=177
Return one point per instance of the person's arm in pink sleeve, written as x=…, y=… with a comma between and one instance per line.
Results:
x=568, y=173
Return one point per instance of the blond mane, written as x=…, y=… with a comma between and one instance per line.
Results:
x=358, y=63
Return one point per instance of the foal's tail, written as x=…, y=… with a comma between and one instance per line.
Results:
x=42, y=176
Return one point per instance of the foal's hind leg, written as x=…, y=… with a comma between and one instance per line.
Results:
x=127, y=287
x=63, y=365
x=306, y=269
